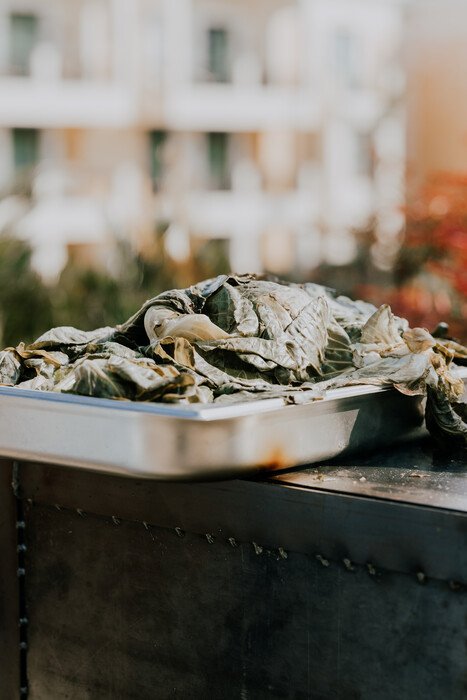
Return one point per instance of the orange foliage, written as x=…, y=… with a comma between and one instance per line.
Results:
x=431, y=270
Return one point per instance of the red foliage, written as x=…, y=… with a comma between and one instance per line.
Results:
x=431, y=271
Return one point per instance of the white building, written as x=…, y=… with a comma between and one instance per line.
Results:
x=277, y=126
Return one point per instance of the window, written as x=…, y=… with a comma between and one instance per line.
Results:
x=23, y=37
x=25, y=148
x=157, y=140
x=219, y=176
x=218, y=55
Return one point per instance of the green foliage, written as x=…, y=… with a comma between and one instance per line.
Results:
x=25, y=304
x=87, y=297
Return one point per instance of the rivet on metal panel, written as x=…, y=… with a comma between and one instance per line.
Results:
x=20, y=525
x=348, y=565
x=282, y=553
x=21, y=572
x=30, y=501
x=421, y=577
x=371, y=569
x=23, y=621
x=210, y=538
x=116, y=520
x=81, y=512
x=258, y=548
x=233, y=541
x=322, y=560
x=21, y=548
x=23, y=645
x=23, y=690
x=181, y=533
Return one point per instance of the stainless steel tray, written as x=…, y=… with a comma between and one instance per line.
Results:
x=200, y=441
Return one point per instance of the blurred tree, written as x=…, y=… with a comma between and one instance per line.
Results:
x=86, y=297
x=429, y=282
x=25, y=304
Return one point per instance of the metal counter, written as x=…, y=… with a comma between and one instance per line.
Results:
x=344, y=580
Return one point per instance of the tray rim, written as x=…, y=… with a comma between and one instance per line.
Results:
x=198, y=412
x=194, y=412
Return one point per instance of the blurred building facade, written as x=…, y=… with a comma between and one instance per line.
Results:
x=275, y=126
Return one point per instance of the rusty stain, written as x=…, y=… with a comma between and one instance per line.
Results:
x=276, y=459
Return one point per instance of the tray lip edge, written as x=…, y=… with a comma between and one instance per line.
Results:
x=197, y=412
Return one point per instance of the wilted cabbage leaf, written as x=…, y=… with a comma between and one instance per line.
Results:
x=241, y=338
x=10, y=367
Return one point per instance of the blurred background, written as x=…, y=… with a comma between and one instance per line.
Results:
x=148, y=144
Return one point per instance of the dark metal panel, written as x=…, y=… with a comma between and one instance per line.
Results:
x=390, y=535
x=9, y=596
x=119, y=611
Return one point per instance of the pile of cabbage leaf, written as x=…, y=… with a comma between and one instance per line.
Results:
x=240, y=338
